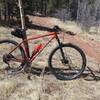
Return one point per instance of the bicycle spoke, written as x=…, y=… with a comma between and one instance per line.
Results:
x=69, y=67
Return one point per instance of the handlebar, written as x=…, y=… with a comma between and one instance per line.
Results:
x=58, y=29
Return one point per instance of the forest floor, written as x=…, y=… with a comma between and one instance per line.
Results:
x=47, y=87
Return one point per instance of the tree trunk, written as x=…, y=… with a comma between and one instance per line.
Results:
x=23, y=27
x=22, y=15
x=1, y=13
x=41, y=6
x=6, y=10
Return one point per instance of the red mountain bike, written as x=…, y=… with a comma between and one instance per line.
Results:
x=66, y=61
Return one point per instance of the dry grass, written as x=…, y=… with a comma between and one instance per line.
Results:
x=47, y=87
x=7, y=87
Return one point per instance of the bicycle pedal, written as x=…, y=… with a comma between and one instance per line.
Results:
x=29, y=77
x=11, y=72
x=7, y=68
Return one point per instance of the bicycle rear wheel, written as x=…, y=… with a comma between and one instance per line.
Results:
x=14, y=59
x=72, y=66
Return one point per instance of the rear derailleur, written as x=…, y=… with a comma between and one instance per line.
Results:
x=6, y=59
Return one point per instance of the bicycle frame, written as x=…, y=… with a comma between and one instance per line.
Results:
x=26, y=49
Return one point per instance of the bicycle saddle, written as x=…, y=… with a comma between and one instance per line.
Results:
x=17, y=32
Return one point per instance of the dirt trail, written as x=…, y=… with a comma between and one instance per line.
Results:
x=90, y=47
x=42, y=21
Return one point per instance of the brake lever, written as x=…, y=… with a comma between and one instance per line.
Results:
x=68, y=32
x=57, y=28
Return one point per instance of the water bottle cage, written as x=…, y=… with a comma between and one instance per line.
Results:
x=37, y=48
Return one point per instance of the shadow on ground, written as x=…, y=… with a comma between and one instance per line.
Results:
x=86, y=75
x=28, y=24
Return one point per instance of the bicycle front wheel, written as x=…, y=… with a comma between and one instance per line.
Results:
x=70, y=66
x=14, y=59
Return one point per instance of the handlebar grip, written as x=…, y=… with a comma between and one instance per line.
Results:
x=70, y=33
x=57, y=28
